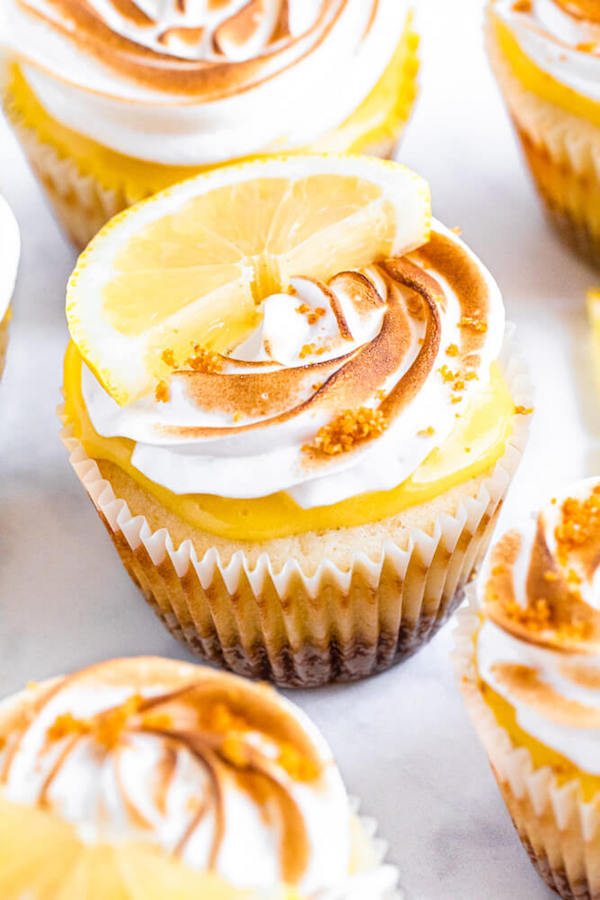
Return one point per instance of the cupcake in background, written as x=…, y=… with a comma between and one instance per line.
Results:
x=10, y=245
x=114, y=101
x=298, y=423
x=153, y=778
x=546, y=57
x=528, y=661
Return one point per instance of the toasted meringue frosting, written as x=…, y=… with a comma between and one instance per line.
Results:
x=219, y=773
x=10, y=246
x=188, y=83
x=539, y=645
x=343, y=388
x=562, y=39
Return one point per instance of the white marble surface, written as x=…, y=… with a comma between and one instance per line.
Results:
x=403, y=740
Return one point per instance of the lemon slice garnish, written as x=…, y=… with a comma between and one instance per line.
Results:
x=191, y=265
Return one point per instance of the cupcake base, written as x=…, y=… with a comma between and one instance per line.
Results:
x=369, y=599
x=561, y=150
x=559, y=830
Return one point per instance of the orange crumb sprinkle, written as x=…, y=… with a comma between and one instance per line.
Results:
x=580, y=522
x=535, y=617
x=347, y=429
x=426, y=432
x=447, y=374
x=523, y=410
x=311, y=350
x=523, y=6
x=471, y=376
x=203, y=360
x=296, y=765
x=168, y=357
x=106, y=728
x=586, y=46
x=455, y=399
x=472, y=322
x=162, y=392
x=456, y=229
x=452, y=350
x=312, y=315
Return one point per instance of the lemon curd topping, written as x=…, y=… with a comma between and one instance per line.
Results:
x=541, y=83
x=477, y=442
x=376, y=120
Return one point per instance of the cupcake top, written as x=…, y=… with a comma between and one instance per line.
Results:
x=189, y=83
x=562, y=38
x=345, y=386
x=10, y=245
x=539, y=646
x=217, y=773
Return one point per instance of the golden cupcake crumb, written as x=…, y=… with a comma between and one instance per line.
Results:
x=472, y=322
x=203, y=360
x=452, y=350
x=351, y=427
x=580, y=522
x=312, y=315
x=426, y=432
x=168, y=357
x=162, y=392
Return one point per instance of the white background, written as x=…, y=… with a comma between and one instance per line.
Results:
x=402, y=739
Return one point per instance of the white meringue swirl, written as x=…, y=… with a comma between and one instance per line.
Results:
x=198, y=83
x=555, y=40
x=376, y=340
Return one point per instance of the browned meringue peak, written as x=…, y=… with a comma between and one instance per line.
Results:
x=554, y=613
x=213, y=717
x=589, y=10
x=259, y=29
x=352, y=380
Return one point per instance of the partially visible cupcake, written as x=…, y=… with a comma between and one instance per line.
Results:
x=529, y=667
x=113, y=101
x=297, y=421
x=152, y=778
x=546, y=57
x=9, y=259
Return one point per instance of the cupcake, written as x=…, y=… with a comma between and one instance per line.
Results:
x=297, y=422
x=546, y=58
x=9, y=259
x=152, y=778
x=529, y=666
x=113, y=101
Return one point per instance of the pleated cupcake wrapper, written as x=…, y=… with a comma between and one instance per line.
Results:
x=563, y=154
x=558, y=828
x=298, y=629
x=80, y=202
x=378, y=880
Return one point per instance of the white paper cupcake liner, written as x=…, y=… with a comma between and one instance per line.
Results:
x=558, y=828
x=305, y=630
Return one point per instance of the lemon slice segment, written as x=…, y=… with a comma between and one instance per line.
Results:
x=193, y=264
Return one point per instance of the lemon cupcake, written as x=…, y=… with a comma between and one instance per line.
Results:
x=296, y=421
x=152, y=778
x=529, y=666
x=114, y=101
x=9, y=259
x=546, y=57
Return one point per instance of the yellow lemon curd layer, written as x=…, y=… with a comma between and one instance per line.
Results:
x=541, y=755
x=541, y=83
x=378, y=118
x=475, y=445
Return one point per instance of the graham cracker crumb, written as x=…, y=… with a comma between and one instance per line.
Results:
x=351, y=427
x=162, y=392
x=203, y=360
x=472, y=322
